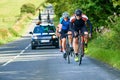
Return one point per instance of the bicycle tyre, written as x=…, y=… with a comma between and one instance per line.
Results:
x=80, y=50
x=80, y=59
x=68, y=50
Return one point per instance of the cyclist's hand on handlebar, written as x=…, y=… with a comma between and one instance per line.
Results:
x=75, y=34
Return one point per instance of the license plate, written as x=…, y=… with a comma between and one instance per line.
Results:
x=43, y=41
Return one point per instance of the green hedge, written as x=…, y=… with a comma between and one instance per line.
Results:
x=28, y=8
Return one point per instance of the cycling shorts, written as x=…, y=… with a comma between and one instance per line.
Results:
x=76, y=31
x=63, y=34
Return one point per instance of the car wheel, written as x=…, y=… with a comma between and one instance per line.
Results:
x=57, y=46
x=33, y=47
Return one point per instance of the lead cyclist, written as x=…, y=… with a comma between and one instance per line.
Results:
x=78, y=23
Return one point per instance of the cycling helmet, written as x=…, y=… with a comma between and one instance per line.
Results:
x=78, y=12
x=65, y=15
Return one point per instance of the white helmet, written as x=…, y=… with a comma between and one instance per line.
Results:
x=65, y=15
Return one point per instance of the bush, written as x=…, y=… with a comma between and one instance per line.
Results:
x=28, y=8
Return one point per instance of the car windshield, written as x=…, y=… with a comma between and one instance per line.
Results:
x=44, y=29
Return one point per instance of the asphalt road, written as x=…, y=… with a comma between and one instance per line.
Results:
x=19, y=62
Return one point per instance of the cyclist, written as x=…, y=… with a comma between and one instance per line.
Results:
x=78, y=23
x=58, y=35
x=63, y=29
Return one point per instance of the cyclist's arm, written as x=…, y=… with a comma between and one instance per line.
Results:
x=57, y=31
x=85, y=18
x=90, y=25
x=61, y=20
x=60, y=24
x=70, y=25
x=72, y=20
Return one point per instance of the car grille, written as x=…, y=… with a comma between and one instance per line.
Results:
x=45, y=37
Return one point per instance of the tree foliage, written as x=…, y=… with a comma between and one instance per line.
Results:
x=97, y=10
x=100, y=12
x=28, y=8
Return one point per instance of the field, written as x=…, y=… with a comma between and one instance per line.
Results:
x=10, y=26
x=10, y=10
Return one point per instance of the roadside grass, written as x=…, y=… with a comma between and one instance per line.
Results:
x=102, y=48
x=6, y=36
x=12, y=33
x=108, y=56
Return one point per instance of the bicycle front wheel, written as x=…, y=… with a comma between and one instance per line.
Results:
x=68, y=50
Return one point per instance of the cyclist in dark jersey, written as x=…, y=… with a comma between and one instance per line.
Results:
x=78, y=23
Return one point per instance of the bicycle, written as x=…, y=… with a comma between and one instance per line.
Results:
x=80, y=47
x=68, y=50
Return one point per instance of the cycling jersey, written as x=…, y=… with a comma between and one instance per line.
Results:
x=65, y=24
x=61, y=19
x=64, y=28
x=79, y=24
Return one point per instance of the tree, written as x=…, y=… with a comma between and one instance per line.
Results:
x=97, y=10
x=28, y=8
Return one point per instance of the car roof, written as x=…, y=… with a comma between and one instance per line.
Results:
x=46, y=24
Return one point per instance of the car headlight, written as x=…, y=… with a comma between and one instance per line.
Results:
x=54, y=36
x=35, y=37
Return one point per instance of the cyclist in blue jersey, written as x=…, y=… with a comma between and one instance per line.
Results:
x=63, y=30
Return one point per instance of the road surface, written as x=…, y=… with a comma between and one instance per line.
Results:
x=19, y=62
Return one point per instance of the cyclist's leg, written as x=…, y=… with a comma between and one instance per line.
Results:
x=63, y=38
x=64, y=45
x=86, y=38
x=75, y=45
x=85, y=32
x=60, y=43
x=75, y=41
x=70, y=39
x=58, y=34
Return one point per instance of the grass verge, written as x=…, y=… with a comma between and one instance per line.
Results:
x=13, y=33
x=100, y=50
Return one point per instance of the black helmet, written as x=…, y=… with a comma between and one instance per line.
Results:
x=78, y=12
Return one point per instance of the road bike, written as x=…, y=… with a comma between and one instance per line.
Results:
x=80, y=47
x=69, y=53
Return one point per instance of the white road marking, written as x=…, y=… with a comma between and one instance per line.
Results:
x=16, y=56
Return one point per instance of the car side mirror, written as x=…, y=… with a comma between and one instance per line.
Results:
x=30, y=32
